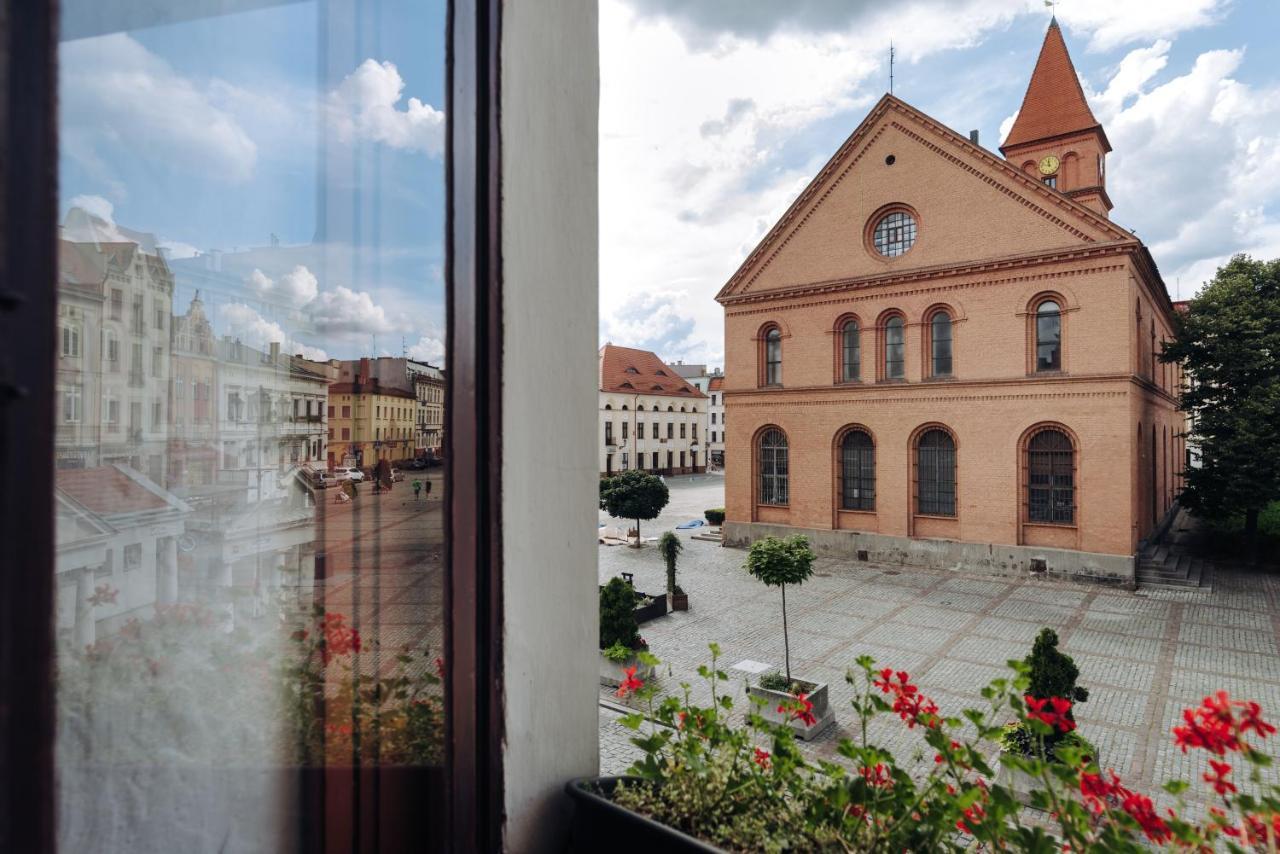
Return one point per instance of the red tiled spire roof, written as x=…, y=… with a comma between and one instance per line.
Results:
x=627, y=371
x=1054, y=104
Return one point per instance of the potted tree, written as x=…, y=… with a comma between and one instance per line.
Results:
x=779, y=562
x=632, y=494
x=620, y=641
x=670, y=547
x=715, y=516
x=1052, y=675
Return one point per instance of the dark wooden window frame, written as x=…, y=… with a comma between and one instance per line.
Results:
x=28, y=329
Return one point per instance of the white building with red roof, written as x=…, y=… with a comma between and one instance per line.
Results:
x=651, y=418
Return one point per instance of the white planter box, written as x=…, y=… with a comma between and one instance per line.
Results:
x=613, y=672
x=815, y=692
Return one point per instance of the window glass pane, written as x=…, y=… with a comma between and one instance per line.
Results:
x=1048, y=337
x=894, y=349
x=936, y=474
x=249, y=458
x=940, y=341
x=858, y=472
x=850, y=352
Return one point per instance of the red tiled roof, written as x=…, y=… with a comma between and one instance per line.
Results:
x=629, y=371
x=716, y=384
x=1054, y=104
x=107, y=490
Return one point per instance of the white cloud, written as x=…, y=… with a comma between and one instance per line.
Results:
x=118, y=94
x=364, y=106
x=428, y=349
x=1111, y=24
x=659, y=321
x=176, y=249
x=295, y=288
x=243, y=322
x=1207, y=147
x=342, y=311
x=99, y=227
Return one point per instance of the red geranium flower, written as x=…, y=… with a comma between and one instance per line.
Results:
x=339, y=639
x=762, y=758
x=1218, y=777
x=801, y=709
x=1215, y=727
x=1053, y=711
x=630, y=683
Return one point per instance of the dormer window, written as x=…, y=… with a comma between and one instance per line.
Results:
x=662, y=373
x=632, y=371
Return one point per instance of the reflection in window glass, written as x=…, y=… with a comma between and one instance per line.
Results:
x=250, y=441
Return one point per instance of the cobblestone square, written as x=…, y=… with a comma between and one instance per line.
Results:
x=1144, y=656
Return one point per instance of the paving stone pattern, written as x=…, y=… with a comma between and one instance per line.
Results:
x=1144, y=656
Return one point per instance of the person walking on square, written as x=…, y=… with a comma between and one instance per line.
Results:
x=417, y=488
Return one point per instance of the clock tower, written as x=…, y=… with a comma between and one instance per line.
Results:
x=1055, y=137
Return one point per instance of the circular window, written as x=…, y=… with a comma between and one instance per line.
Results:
x=894, y=234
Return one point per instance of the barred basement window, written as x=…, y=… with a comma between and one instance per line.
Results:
x=857, y=472
x=895, y=234
x=1051, y=478
x=773, y=467
x=936, y=474
x=850, y=352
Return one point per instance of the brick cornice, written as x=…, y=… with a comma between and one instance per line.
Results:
x=1115, y=249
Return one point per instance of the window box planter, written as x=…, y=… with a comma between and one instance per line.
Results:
x=612, y=672
x=657, y=608
x=601, y=825
x=816, y=693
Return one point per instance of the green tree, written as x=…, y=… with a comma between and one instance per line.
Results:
x=632, y=494
x=1229, y=344
x=618, y=614
x=778, y=562
x=670, y=547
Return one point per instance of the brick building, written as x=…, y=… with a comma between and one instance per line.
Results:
x=651, y=418
x=940, y=356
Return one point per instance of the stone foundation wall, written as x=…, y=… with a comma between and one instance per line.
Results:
x=982, y=558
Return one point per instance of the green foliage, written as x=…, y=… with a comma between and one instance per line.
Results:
x=1053, y=673
x=1229, y=344
x=632, y=494
x=715, y=516
x=1017, y=737
x=618, y=652
x=669, y=546
x=776, y=681
x=618, y=615
x=747, y=787
x=776, y=561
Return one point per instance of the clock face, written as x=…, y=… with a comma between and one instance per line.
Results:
x=1048, y=165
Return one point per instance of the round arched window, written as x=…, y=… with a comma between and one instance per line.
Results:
x=894, y=234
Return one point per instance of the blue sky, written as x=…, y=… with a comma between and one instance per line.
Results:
x=715, y=115
x=218, y=134
x=232, y=132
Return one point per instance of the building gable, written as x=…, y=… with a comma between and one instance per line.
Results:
x=970, y=205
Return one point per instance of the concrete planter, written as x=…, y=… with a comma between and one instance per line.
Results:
x=613, y=672
x=816, y=693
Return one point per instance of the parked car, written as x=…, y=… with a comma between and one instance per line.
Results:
x=348, y=474
x=396, y=476
x=321, y=479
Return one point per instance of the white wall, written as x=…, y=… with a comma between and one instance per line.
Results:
x=549, y=92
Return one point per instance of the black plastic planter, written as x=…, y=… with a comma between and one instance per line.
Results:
x=658, y=608
x=601, y=825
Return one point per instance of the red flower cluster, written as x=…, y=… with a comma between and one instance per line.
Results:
x=762, y=758
x=630, y=683
x=973, y=815
x=1220, y=724
x=877, y=776
x=799, y=709
x=339, y=639
x=103, y=594
x=1254, y=829
x=1054, y=711
x=1218, y=777
x=1098, y=791
x=908, y=703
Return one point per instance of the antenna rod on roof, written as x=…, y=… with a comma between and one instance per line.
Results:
x=890, y=66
